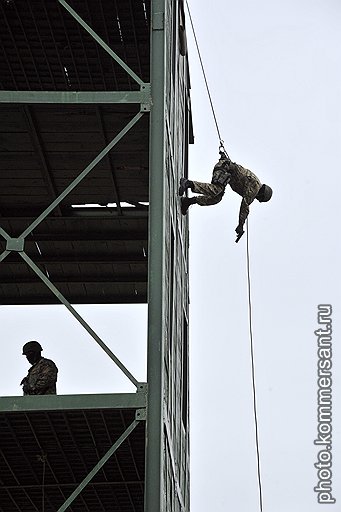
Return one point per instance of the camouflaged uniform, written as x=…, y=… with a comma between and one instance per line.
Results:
x=212, y=193
x=247, y=185
x=241, y=180
x=41, y=378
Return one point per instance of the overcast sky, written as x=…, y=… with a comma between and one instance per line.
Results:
x=274, y=73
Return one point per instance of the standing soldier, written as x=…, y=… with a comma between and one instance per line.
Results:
x=241, y=180
x=42, y=376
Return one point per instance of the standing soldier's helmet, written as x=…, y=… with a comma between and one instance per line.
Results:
x=264, y=194
x=31, y=346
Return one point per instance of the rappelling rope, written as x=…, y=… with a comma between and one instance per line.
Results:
x=253, y=367
x=221, y=147
x=221, y=142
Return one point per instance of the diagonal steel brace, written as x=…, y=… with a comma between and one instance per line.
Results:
x=98, y=466
x=82, y=175
x=100, y=41
x=80, y=319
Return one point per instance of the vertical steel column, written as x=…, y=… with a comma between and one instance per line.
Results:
x=155, y=358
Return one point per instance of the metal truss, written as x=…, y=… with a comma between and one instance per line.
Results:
x=51, y=403
x=100, y=464
x=142, y=97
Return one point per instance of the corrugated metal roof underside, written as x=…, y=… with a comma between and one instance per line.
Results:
x=89, y=260
x=96, y=255
x=73, y=442
x=44, y=48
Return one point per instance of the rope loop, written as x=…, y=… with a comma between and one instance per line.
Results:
x=222, y=149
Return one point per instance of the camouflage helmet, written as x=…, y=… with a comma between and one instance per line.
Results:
x=31, y=346
x=265, y=194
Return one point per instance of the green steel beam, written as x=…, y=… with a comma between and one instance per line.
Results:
x=101, y=42
x=3, y=255
x=47, y=487
x=80, y=319
x=74, y=402
x=4, y=234
x=98, y=466
x=137, y=236
x=140, y=97
x=82, y=175
x=154, y=451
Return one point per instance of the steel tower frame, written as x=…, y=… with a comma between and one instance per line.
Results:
x=162, y=402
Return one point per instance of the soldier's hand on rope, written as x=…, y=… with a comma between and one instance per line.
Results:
x=240, y=232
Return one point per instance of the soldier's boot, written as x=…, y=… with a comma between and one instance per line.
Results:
x=186, y=203
x=185, y=184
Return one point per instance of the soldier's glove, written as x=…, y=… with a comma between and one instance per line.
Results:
x=25, y=386
x=224, y=158
x=240, y=232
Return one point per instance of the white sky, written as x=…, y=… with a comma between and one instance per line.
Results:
x=274, y=73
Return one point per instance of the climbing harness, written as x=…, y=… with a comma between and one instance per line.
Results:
x=223, y=151
x=221, y=172
x=221, y=176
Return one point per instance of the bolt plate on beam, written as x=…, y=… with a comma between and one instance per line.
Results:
x=15, y=244
x=142, y=387
x=146, y=99
x=158, y=21
x=141, y=414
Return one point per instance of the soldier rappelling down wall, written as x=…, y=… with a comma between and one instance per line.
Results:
x=42, y=376
x=225, y=172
